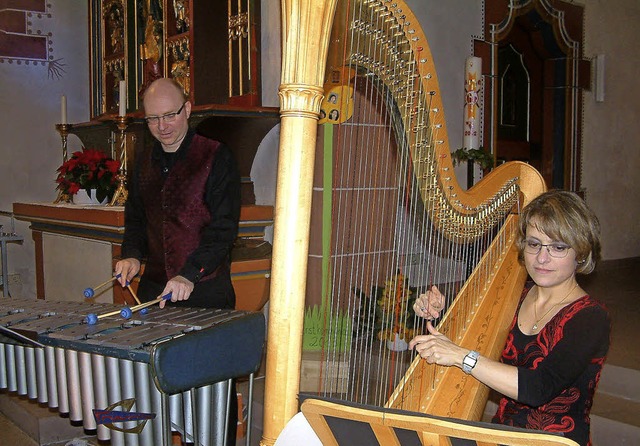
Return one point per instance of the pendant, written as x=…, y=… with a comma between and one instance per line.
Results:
x=535, y=326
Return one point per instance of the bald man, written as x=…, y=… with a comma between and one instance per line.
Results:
x=183, y=208
x=182, y=213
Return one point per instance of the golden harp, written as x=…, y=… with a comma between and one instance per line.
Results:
x=381, y=64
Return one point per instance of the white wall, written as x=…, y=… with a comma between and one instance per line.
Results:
x=450, y=27
x=611, y=154
x=271, y=54
x=30, y=151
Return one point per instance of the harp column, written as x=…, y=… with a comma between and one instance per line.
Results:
x=306, y=27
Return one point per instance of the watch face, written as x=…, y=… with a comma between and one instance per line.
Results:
x=469, y=361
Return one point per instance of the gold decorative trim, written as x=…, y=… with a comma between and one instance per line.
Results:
x=300, y=100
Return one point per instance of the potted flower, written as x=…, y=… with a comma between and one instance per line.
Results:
x=89, y=169
x=393, y=318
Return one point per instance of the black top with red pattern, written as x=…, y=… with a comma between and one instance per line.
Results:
x=558, y=370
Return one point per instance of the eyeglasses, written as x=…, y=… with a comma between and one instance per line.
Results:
x=169, y=117
x=556, y=249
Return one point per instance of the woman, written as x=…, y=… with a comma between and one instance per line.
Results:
x=559, y=337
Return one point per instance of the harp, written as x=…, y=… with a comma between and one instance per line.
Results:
x=380, y=60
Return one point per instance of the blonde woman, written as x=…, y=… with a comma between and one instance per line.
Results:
x=559, y=337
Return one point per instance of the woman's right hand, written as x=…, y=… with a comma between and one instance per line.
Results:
x=430, y=304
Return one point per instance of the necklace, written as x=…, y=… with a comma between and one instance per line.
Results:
x=535, y=310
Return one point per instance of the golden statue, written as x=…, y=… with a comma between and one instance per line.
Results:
x=180, y=68
x=151, y=49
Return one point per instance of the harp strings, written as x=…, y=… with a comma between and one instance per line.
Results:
x=372, y=180
x=362, y=256
x=386, y=184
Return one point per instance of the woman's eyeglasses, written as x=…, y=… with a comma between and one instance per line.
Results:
x=555, y=249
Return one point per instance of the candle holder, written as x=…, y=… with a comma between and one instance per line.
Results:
x=121, y=193
x=64, y=130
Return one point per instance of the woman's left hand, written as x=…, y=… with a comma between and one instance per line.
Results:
x=436, y=348
x=429, y=305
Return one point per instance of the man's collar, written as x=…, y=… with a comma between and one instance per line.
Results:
x=182, y=150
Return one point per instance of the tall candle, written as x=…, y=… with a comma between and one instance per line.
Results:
x=122, y=93
x=472, y=86
x=63, y=107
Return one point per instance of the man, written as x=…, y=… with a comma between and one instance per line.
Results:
x=183, y=209
x=182, y=213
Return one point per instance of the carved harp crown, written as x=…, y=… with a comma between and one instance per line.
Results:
x=398, y=219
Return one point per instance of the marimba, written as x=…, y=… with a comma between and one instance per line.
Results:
x=174, y=363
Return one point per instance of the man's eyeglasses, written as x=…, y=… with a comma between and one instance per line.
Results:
x=555, y=249
x=169, y=117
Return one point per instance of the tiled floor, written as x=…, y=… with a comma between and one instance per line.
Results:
x=615, y=283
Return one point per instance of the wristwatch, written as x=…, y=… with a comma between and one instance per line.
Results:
x=470, y=361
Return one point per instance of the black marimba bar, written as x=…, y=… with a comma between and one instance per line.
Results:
x=175, y=363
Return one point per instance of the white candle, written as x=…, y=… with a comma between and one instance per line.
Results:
x=63, y=107
x=472, y=86
x=122, y=93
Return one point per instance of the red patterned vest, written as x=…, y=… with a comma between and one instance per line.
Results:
x=176, y=209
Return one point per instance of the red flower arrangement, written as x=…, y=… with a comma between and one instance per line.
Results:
x=89, y=169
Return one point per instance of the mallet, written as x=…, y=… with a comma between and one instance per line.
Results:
x=127, y=312
x=90, y=292
x=133, y=293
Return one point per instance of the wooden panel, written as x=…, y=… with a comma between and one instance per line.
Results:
x=109, y=216
x=431, y=430
x=251, y=280
x=93, y=215
x=37, y=240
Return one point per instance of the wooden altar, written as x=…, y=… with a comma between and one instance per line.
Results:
x=76, y=247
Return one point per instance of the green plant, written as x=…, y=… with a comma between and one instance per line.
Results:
x=479, y=156
x=88, y=169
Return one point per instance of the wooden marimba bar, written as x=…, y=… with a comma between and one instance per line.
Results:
x=173, y=363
